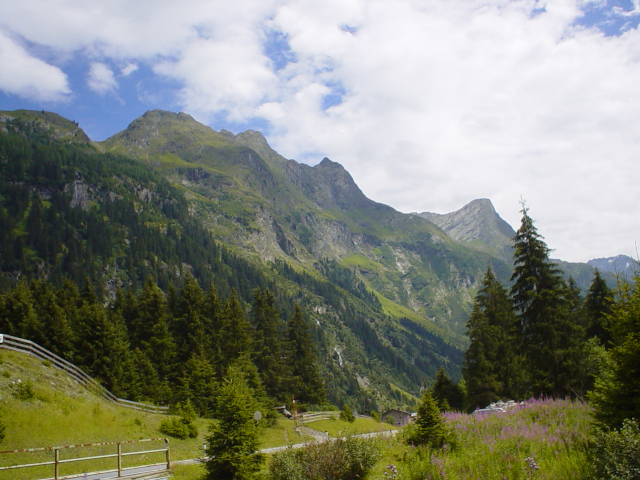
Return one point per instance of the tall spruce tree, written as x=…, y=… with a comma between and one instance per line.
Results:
x=598, y=303
x=306, y=383
x=493, y=368
x=233, y=439
x=551, y=337
x=616, y=395
x=268, y=354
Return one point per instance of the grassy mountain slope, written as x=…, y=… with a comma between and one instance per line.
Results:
x=70, y=210
x=269, y=208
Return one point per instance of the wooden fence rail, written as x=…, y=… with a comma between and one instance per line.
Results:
x=17, y=344
x=57, y=462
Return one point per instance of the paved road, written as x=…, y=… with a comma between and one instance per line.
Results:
x=164, y=475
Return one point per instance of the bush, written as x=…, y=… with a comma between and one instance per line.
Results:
x=24, y=391
x=429, y=428
x=347, y=414
x=178, y=428
x=347, y=458
x=3, y=429
x=617, y=452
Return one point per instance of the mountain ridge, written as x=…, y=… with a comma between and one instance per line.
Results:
x=371, y=275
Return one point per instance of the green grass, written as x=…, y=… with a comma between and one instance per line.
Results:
x=339, y=428
x=496, y=446
x=61, y=412
x=282, y=433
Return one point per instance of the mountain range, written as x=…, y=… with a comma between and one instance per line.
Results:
x=389, y=292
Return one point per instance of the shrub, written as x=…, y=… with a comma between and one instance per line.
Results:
x=617, y=452
x=178, y=428
x=24, y=391
x=347, y=414
x=429, y=428
x=3, y=429
x=347, y=458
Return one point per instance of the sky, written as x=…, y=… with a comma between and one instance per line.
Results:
x=429, y=104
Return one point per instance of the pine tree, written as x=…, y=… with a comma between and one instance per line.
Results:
x=268, y=345
x=429, y=428
x=598, y=303
x=237, y=333
x=188, y=322
x=616, y=395
x=307, y=385
x=492, y=368
x=233, y=438
x=150, y=329
x=447, y=395
x=551, y=336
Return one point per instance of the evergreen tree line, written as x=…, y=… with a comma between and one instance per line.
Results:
x=538, y=338
x=117, y=232
x=169, y=348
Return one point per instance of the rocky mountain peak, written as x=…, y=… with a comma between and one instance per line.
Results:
x=619, y=265
x=477, y=223
x=59, y=128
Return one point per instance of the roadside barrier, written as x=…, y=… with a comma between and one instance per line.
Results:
x=17, y=344
x=57, y=461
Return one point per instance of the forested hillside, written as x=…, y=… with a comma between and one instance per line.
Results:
x=88, y=239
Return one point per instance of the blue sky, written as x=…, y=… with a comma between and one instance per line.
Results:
x=428, y=103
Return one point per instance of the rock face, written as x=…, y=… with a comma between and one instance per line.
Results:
x=479, y=224
x=620, y=265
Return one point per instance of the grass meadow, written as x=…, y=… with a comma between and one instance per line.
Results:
x=543, y=439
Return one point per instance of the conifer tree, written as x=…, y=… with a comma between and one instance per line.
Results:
x=18, y=317
x=598, y=304
x=550, y=334
x=57, y=334
x=617, y=391
x=268, y=345
x=233, y=439
x=188, y=322
x=307, y=385
x=492, y=368
x=237, y=333
x=429, y=428
x=150, y=329
x=447, y=395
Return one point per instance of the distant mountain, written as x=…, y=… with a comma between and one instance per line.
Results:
x=388, y=293
x=478, y=225
x=620, y=265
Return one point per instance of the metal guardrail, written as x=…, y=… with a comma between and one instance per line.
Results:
x=18, y=344
x=119, y=455
x=309, y=417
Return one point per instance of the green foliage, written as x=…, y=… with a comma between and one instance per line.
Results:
x=617, y=389
x=307, y=385
x=429, y=428
x=232, y=442
x=617, y=452
x=349, y=458
x=24, y=391
x=346, y=414
x=181, y=427
x=492, y=368
x=447, y=395
x=178, y=428
x=548, y=315
x=3, y=429
x=598, y=304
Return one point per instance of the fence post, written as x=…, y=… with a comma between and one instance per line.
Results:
x=166, y=443
x=57, y=465
x=119, y=459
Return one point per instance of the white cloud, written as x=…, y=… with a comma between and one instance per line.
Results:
x=101, y=79
x=29, y=77
x=443, y=101
x=128, y=69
